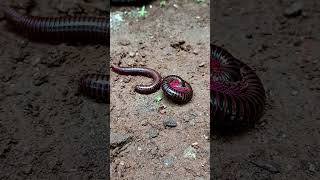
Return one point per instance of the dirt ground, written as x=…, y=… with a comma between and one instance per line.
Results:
x=173, y=39
x=281, y=41
x=47, y=130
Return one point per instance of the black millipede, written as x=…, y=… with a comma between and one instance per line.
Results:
x=237, y=94
x=92, y=29
x=96, y=86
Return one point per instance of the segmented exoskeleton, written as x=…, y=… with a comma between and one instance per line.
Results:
x=236, y=92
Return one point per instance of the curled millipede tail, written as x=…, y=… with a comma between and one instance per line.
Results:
x=236, y=92
x=177, y=89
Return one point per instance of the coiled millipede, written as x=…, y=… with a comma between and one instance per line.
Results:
x=236, y=93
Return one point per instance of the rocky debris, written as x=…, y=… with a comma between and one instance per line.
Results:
x=202, y=64
x=294, y=10
x=162, y=109
x=181, y=45
x=170, y=122
x=132, y=54
x=40, y=78
x=190, y=153
x=124, y=42
x=153, y=133
x=169, y=160
x=119, y=139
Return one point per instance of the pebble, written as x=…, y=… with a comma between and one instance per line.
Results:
x=294, y=10
x=170, y=122
x=153, y=133
x=132, y=54
x=195, y=145
x=312, y=168
x=162, y=109
x=118, y=139
x=168, y=161
x=190, y=153
x=202, y=64
x=294, y=92
x=124, y=42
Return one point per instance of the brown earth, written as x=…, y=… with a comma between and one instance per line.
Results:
x=281, y=41
x=173, y=39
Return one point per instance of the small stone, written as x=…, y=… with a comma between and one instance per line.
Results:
x=132, y=54
x=168, y=161
x=170, y=122
x=117, y=139
x=195, y=145
x=312, y=168
x=190, y=153
x=176, y=6
x=202, y=64
x=294, y=92
x=162, y=109
x=294, y=10
x=195, y=52
x=153, y=133
x=124, y=42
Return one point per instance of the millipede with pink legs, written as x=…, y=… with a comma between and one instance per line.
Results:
x=236, y=92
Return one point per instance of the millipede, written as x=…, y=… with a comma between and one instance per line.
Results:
x=96, y=86
x=86, y=29
x=141, y=71
x=237, y=95
x=60, y=29
x=174, y=87
x=177, y=89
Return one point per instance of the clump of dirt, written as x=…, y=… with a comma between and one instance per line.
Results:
x=47, y=130
x=156, y=138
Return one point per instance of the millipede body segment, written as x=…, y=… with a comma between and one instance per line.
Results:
x=96, y=86
x=236, y=92
x=139, y=71
x=74, y=29
x=177, y=89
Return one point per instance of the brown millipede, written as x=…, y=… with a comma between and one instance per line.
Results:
x=140, y=71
